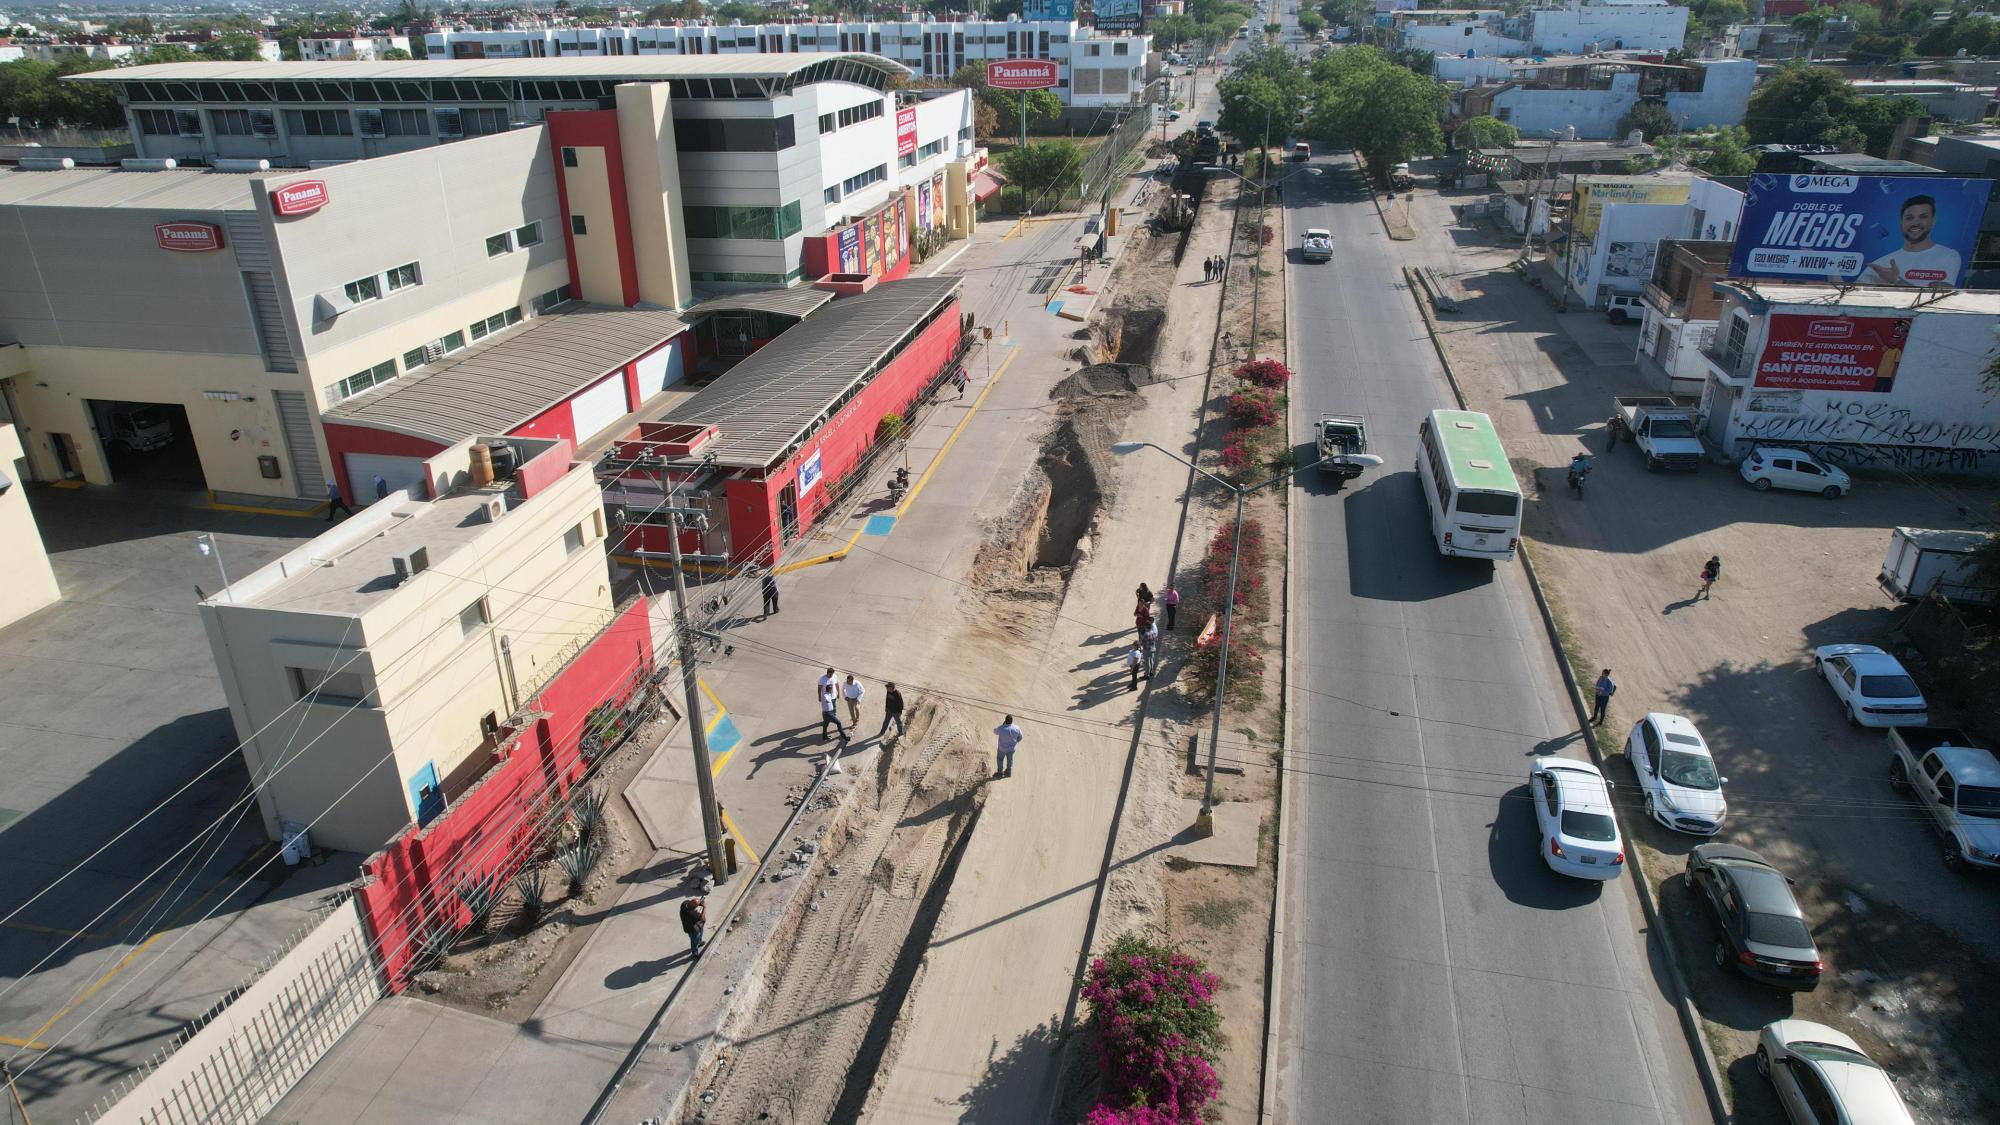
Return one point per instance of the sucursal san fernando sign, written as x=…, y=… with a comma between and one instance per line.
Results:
x=300, y=197
x=187, y=238
x=1021, y=74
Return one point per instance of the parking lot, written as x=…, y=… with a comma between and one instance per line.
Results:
x=113, y=706
x=1909, y=946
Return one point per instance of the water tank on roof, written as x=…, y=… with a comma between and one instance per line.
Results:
x=148, y=164
x=47, y=163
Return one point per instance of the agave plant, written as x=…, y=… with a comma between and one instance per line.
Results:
x=577, y=861
x=530, y=884
x=480, y=894
x=586, y=809
x=432, y=943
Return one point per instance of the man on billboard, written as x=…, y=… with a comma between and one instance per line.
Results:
x=1919, y=261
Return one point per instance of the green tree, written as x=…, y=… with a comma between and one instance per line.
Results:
x=1878, y=47
x=1312, y=23
x=395, y=54
x=236, y=46
x=1261, y=95
x=1388, y=113
x=1176, y=29
x=1653, y=119
x=25, y=86
x=1719, y=150
x=1043, y=171
x=1484, y=132
x=166, y=53
x=1714, y=15
x=1803, y=104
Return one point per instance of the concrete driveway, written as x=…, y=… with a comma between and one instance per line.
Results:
x=113, y=707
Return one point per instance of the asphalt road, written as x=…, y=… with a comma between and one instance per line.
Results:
x=1435, y=970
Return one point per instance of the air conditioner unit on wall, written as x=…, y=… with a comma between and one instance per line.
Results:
x=434, y=351
x=369, y=122
x=264, y=122
x=450, y=123
x=188, y=121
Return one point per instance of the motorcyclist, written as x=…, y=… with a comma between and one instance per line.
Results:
x=1579, y=467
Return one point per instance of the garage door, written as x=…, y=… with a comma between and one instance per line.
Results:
x=658, y=370
x=598, y=407
x=399, y=472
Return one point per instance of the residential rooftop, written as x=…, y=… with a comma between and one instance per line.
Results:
x=1924, y=300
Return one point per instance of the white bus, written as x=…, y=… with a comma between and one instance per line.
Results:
x=1475, y=500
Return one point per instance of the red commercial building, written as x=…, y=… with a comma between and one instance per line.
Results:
x=767, y=448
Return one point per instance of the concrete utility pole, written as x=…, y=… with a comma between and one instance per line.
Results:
x=704, y=776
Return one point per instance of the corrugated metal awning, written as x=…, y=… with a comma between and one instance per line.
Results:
x=498, y=384
x=800, y=302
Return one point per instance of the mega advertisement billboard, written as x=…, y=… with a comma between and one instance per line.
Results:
x=1118, y=15
x=1850, y=354
x=1864, y=230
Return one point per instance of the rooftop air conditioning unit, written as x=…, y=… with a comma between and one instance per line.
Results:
x=415, y=562
x=495, y=508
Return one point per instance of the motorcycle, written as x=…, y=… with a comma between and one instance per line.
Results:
x=1578, y=470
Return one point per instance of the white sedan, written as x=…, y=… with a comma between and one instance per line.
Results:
x=1579, y=834
x=1872, y=686
x=1769, y=467
x=1823, y=1076
x=1677, y=774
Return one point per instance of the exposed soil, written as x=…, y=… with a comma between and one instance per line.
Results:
x=839, y=979
x=506, y=972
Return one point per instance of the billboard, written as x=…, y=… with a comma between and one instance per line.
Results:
x=187, y=237
x=1593, y=195
x=906, y=131
x=301, y=197
x=1048, y=10
x=1864, y=230
x=1850, y=354
x=1118, y=15
x=1021, y=74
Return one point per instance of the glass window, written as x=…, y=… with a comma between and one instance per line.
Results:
x=1588, y=826
x=453, y=342
x=1776, y=929
x=1488, y=504
x=403, y=277
x=1889, y=687
x=363, y=289
x=530, y=235
x=569, y=157
x=413, y=359
x=499, y=244
x=573, y=540
x=157, y=122
x=328, y=686
x=406, y=123
x=577, y=225
x=478, y=330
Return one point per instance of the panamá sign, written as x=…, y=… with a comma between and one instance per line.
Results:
x=1021, y=74
x=301, y=197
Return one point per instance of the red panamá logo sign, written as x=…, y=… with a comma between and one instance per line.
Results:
x=300, y=198
x=1021, y=74
x=188, y=237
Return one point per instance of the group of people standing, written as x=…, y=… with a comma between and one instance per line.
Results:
x=1144, y=653
x=832, y=692
x=1215, y=268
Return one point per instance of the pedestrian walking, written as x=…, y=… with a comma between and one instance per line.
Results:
x=694, y=920
x=829, y=713
x=826, y=680
x=1145, y=594
x=958, y=380
x=1149, y=639
x=1710, y=571
x=1208, y=269
x=770, y=594
x=334, y=503
x=892, y=711
x=852, y=691
x=1605, y=690
x=1007, y=736
x=1133, y=663
x=1170, y=600
x=1141, y=618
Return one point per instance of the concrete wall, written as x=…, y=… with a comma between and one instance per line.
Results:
x=30, y=583
x=1632, y=27
x=1673, y=349
x=1620, y=258
x=1714, y=210
x=1722, y=100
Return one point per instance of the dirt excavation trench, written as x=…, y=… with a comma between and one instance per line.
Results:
x=838, y=980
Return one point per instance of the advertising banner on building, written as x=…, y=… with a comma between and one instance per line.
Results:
x=924, y=205
x=1865, y=230
x=1048, y=10
x=810, y=471
x=1022, y=74
x=906, y=131
x=1593, y=195
x=1118, y=15
x=1851, y=354
x=850, y=249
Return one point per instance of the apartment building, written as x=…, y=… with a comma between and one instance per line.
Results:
x=1571, y=28
x=351, y=48
x=1095, y=70
x=1587, y=97
x=378, y=672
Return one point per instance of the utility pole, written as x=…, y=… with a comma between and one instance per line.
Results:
x=704, y=776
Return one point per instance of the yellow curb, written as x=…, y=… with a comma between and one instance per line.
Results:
x=300, y=513
x=740, y=841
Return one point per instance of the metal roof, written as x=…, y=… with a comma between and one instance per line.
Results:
x=115, y=187
x=638, y=68
x=776, y=396
x=800, y=302
x=501, y=383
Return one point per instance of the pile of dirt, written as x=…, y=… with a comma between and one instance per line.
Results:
x=1100, y=379
x=838, y=980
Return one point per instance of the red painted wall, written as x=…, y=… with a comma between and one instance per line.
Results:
x=555, y=422
x=596, y=128
x=342, y=439
x=493, y=827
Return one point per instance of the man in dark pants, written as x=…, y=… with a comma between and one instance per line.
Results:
x=892, y=712
x=1602, y=697
x=828, y=695
x=770, y=594
x=334, y=502
x=694, y=919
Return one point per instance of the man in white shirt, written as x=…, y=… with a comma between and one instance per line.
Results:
x=1920, y=261
x=852, y=691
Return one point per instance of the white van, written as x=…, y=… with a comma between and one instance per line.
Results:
x=1302, y=151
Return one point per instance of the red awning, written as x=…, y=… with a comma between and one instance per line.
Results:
x=986, y=184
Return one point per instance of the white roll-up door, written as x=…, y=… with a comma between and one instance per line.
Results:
x=598, y=407
x=398, y=472
x=659, y=370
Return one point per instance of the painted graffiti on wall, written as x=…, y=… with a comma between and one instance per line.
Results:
x=1866, y=422
x=1906, y=458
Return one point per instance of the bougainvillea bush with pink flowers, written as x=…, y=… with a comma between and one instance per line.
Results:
x=1264, y=373
x=1158, y=1034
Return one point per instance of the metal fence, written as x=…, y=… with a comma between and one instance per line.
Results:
x=231, y=1065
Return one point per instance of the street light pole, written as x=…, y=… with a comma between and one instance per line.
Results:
x=704, y=776
x=1205, y=822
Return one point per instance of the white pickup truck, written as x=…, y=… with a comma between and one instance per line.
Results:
x=1664, y=429
x=1317, y=245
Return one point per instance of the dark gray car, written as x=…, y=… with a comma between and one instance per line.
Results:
x=1760, y=930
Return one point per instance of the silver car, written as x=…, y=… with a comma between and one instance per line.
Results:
x=1824, y=1078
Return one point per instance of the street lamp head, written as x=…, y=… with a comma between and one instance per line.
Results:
x=1127, y=446
x=204, y=543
